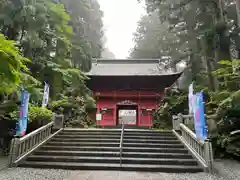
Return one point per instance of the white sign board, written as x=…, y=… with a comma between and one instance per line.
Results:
x=127, y=116
x=127, y=113
x=45, y=96
x=190, y=98
x=98, y=117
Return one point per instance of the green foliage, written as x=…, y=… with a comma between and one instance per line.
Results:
x=205, y=35
x=86, y=20
x=75, y=109
x=39, y=114
x=6, y=108
x=51, y=41
x=225, y=108
x=173, y=103
x=12, y=64
x=80, y=123
x=35, y=113
x=229, y=75
x=199, y=39
x=90, y=104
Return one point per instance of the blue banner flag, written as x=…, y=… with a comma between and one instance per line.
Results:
x=199, y=117
x=23, y=119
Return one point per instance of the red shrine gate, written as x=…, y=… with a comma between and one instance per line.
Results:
x=128, y=90
x=110, y=105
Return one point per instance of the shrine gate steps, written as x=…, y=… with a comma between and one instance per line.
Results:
x=143, y=150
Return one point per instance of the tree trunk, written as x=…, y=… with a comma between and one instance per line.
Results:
x=208, y=58
x=238, y=11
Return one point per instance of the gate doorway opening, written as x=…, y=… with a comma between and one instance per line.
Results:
x=127, y=114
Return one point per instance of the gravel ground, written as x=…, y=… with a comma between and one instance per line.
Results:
x=3, y=162
x=226, y=170
x=34, y=174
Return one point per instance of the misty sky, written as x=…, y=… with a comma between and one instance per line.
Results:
x=120, y=22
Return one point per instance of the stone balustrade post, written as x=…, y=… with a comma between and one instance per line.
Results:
x=13, y=153
x=208, y=154
x=177, y=120
x=58, y=121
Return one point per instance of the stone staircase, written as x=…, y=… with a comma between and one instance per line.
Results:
x=98, y=149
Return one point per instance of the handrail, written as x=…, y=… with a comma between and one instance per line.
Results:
x=21, y=147
x=36, y=131
x=200, y=149
x=190, y=133
x=121, y=143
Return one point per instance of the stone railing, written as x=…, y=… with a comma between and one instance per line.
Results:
x=21, y=147
x=200, y=149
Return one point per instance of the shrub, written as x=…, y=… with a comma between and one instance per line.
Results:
x=75, y=110
x=39, y=114
x=34, y=114
x=37, y=117
x=225, y=108
x=174, y=102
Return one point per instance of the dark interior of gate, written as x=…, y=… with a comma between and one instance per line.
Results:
x=128, y=91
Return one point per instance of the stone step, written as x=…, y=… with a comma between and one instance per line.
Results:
x=80, y=148
x=102, y=144
x=114, y=144
x=155, y=135
x=98, y=149
x=152, y=149
x=170, y=137
x=80, y=130
x=162, y=168
x=91, y=130
x=149, y=133
x=89, y=136
x=152, y=145
x=125, y=160
x=157, y=155
x=113, y=154
x=57, y=139
x=77, y=153
x=117, y=132
x=115, y=149
x=115, y=167
x=90, y=133
x=157, y=141
x=128, y=127
x=104, y=136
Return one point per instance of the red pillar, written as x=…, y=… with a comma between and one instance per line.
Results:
x=149, y=119
x=98, y=123
x=115, y=108
x=114, y=115
x=139, y=115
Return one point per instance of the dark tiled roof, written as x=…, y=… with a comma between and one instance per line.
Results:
x=126, y=67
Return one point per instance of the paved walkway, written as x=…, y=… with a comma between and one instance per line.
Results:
x=3, y=162
x=228, y=170
x=113, y=175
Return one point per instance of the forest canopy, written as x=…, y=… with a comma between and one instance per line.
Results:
x=204, y=36
x=50, y=41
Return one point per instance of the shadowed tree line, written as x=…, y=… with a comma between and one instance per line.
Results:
x=50, y=41
x=203, y=36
